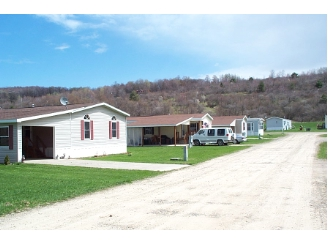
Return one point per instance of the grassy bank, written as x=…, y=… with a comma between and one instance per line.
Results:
x=322, y=154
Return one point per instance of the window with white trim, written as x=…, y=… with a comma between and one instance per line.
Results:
x=114, y=129
x=261, y=125
x=250, y=126
x=86, y=128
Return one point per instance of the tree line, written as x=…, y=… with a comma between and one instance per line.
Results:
x=299, y=97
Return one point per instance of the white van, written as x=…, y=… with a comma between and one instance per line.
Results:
x=219, y=136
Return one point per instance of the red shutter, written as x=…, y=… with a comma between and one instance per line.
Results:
x=110, y=130
x=11, y=137
x=82, y=129
x=91, y=129
x=118, y=129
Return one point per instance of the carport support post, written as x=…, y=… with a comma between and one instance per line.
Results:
x=185, y=153
x=175, y=135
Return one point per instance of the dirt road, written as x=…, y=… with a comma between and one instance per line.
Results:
x=278, y=185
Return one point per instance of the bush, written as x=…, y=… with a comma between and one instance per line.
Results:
x=6, y=160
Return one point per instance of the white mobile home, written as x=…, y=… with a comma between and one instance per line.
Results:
x=278, y=124
x=255, y=126
x=70, y=131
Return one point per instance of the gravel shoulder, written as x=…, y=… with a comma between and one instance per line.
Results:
x=279, y=185
x=110, y=164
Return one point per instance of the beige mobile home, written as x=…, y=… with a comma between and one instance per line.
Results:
x=165, y=129
x=238, y=123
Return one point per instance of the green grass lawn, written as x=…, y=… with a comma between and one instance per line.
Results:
x=196, y=154
x=29, y=185
x=311, y=125
x=267, y=137
x=163, y=154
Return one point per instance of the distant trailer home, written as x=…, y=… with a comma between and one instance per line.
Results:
x=255, y=126
x=278, y=124
x=70, y=131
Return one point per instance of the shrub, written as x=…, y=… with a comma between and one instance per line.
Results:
x=6, y=161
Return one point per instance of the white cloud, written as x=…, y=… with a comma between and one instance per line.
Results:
x=250, y=37
x=102, y=48
x=67, y=21
x=89, y=37
x=62, y=47
x=243, y=43
x=245, y=72
x=19, y=62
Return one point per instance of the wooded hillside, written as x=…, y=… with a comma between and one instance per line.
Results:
x=297, y=97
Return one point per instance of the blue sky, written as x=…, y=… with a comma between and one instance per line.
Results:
x=96, y=50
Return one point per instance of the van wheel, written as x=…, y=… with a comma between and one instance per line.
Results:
x=196, y=142
x=220, y=142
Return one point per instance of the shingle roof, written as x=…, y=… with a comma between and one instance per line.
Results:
x=225, y=120
x=162, y=120
x=14, y=114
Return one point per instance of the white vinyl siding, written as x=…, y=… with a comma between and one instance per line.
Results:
x=67, y=133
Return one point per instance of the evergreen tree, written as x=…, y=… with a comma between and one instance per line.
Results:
x=260, y=87
x=134, y=96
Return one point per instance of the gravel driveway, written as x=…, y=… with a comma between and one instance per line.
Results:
x=273, y=186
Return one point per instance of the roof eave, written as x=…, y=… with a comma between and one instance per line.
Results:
x=71, y=111
x=102, y=104
x=43, y=116
x=153, y=125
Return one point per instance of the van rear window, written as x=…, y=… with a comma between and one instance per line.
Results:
x=221, y=132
